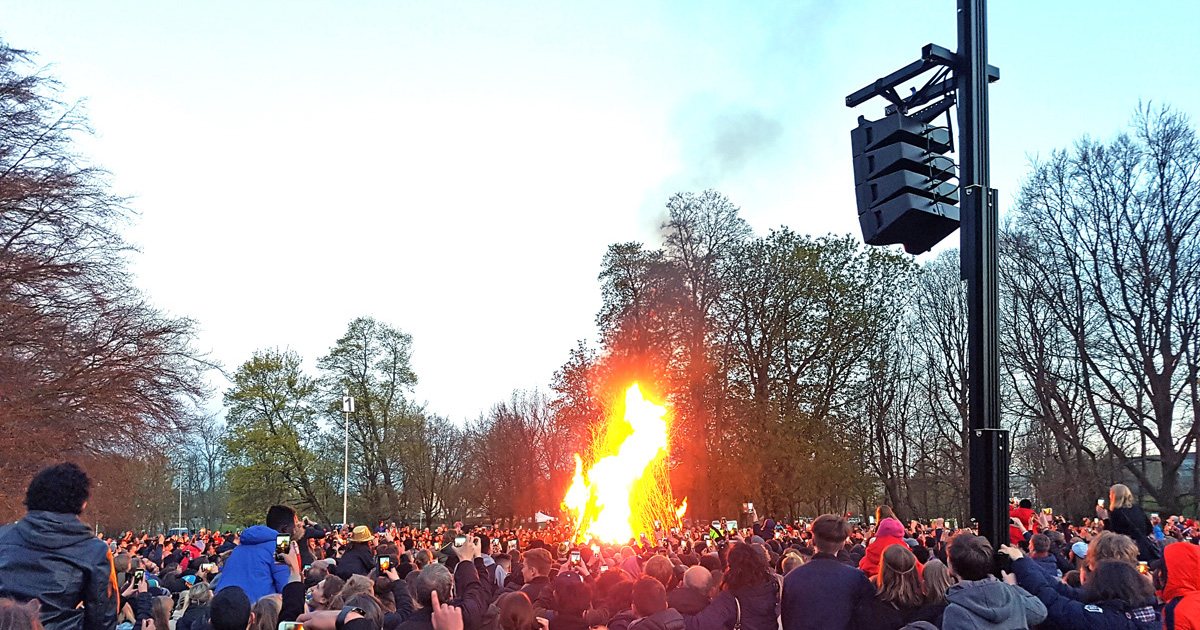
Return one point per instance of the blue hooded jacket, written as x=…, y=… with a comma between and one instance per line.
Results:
x=252, y=565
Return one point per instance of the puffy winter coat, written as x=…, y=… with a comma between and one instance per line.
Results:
x=1182, y=592
x=55, y=558
x=252, y=565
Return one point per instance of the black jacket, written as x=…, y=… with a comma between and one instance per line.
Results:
x=358, y=560
x=194, y=618
x=823, y=594
x=688, y=601
x=1134, y=523
x=881, y=615
x=55, y=558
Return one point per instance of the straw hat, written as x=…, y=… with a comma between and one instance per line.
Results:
x=361, y=534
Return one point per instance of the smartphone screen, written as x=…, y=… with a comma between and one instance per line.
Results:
x=1100, y=502
x=138, y=576
x=460, y=540
x=603, y=568
x=283, y=544
x=512, y=544
x=575, y=557
x=732, y=525
x=384, y=563
x=290, y=625
x=657, y=524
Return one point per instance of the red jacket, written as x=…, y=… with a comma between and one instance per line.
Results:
x=1026, y=516
x=870, y=562
x=1183, y=581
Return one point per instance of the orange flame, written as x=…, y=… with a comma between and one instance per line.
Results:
x=681, y=510
x=622, y=493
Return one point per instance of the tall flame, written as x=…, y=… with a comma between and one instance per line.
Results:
x=618, y=496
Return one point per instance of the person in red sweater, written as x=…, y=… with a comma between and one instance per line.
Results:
x=1024, y=512
x=888, y=532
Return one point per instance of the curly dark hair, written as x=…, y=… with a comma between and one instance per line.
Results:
x=61, y=488
x=748, y=567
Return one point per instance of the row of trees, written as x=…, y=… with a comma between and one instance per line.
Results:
x=804, y=373
x=89, y=369
x=810, y=374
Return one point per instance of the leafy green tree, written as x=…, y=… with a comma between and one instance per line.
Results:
x=273, y=435
x=372, y=362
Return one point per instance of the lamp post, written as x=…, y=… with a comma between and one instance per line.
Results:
x=347, y=409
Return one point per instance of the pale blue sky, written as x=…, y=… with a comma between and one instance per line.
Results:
x=458, y=168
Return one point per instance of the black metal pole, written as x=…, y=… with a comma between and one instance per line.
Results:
x=988, y=444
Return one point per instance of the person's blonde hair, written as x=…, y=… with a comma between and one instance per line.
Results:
x=1111, y=546
x=937, y=580
x=266, y=612
x=198, y=594
x=160, y=611
x=898, y=581
x=1119, y=496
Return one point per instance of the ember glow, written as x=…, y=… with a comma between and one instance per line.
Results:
x=625, y=492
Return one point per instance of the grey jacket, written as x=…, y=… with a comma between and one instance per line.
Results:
x=990, y=604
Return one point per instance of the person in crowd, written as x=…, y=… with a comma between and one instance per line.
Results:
x=1180, y=583
x=1123, y=516
x=1039, y=552
x=437, y=578
x=749, y=595
x=979, y=600
x=326, y=595
x=900, y=597
x=16, y=616
x=252, y=565
x=692, y=596
x=650, y=607
x=936, y=581
x=359, y=558
x=572, y=600
x=536, y=574
x=161, y=608
x=1115, y=595
x=230, y=610
x=659, y=568
x=1023, y=512
x=266, y=612
x=194, y=608
x=823, y=593
x=888, y=532
x=516, y=612
x=52, y=556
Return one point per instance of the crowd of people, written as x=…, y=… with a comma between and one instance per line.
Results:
x=1123, y=569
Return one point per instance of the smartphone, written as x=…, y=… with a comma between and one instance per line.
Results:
x=603, y=568
x=496, y=543
x=1100, y=502
x=575, y=559
x=283, y=544
x=657, y=524
x=512, y=544
x=1143, y=567
x=211, y=567
x=138, y=576
x=384, y=563
x=731, y=525
x=290, y=625
x=460, y=540
x=1046, y=511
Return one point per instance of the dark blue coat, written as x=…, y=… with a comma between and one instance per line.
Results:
x=823, y=594
x=1065, y=613
x=759, y=606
